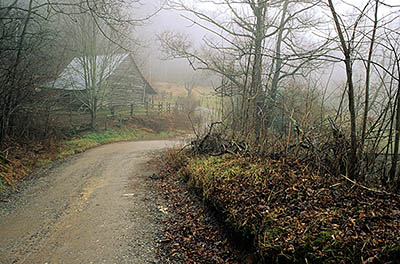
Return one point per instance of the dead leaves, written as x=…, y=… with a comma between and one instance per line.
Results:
x=294, y=215
x=23, y=157
x=192, y=234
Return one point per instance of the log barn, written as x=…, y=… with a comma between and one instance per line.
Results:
x=123, y=82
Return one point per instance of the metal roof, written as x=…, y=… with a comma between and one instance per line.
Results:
x=74, y=76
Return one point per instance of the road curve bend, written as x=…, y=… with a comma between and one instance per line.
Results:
x=94, y=208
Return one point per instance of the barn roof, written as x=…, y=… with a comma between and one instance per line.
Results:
x=149, y=88
x=73, y=76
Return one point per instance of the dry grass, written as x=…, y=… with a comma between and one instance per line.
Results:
x=25, y=155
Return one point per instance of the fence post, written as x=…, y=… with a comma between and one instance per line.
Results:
x=112, y=113
x=160, y=107
x=131, y=110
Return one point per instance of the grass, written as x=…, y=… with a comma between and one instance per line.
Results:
x=97, y=138
x=28, y=158
x=26, y=155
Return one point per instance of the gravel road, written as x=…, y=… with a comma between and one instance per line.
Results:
x=95, y=208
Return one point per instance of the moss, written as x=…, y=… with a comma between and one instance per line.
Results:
x=323, y=238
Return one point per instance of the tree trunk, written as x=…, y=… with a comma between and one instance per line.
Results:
x=393, y=169
x=278, y=59
x=353, y=161
x=352, y=166
x=368, y=77
x=256, y=84
x=93, y=118
x=277, y=67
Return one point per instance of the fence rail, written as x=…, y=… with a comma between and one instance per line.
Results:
x=147, y=108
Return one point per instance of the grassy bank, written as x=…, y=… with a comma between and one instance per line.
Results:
x=292, y=215
x=97, y=138
x=23, y=155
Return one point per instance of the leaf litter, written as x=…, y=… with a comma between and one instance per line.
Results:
x=192, y=231
x=288, y=212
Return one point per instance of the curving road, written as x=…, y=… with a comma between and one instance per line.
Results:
x=95, y=208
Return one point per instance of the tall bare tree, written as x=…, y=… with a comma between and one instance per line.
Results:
x=242, y=53
x=348, y=49
x=28, y=33
x=24, y=34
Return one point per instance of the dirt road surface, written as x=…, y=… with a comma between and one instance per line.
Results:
x=94, y=208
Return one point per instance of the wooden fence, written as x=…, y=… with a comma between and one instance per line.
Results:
x=146, y=108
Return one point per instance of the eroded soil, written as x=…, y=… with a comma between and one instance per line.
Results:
x=94, y=208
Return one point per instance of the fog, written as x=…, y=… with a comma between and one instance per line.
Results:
x=154, y=64
x=158, y=69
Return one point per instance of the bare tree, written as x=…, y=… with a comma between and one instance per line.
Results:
x=98, y=57
x=368, y=75
x=190, y=83
x=393, y=44
x=23, y=37
x=348, y=49
x=242, y=53
x=28, y=32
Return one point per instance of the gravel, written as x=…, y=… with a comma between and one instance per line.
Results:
x=97, y=207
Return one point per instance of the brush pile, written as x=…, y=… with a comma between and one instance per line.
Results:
x=214, y=143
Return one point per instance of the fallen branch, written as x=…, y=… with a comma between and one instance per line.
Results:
x=367, y=188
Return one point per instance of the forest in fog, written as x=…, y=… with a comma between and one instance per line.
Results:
x=316, y=78
x=292, y=106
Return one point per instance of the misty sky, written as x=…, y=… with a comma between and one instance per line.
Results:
x=157, y=70
x=155, y=67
